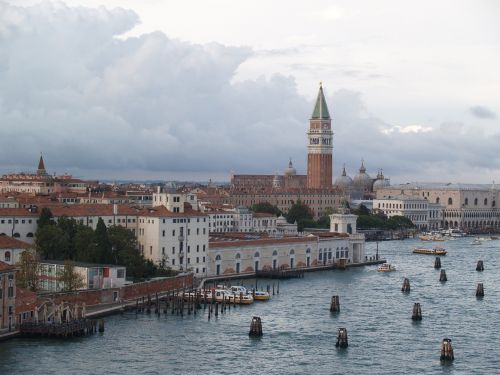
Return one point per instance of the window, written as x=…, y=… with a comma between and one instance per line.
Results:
x=450, y=201
x=203, y=230
x=189, y=248
x=475, y=201
x=7, y=256
x=163, y=233
x=197, y=230
x=203, y=248
x=189, y=231
x=120, y=274
x=197, y=248
x=173, y=232
x=197, y=259
x=218, y=257
x=189, y=260
x=173, y=249
x=151, y=250
x=173, y=262
x=10, y=292
x=163, y=250
x=203, y=262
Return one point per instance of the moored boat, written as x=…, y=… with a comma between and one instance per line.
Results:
x=386, y=267
x=476, y=241
x=434, y=251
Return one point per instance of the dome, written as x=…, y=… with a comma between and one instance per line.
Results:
x=281, y=220
x=362, y=180
x=344, y=181
x=290, y=171
x=381, y=181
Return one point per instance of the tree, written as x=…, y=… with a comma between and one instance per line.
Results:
x=399, y=222
x=70, y=279
x=85, y=244
x=362, y=210
x=103, y=247
x=300, y=213
x=49, y=241
x=125, y=251
x=45, y=218
x=29, y=269
x=69, y=227
x=266, y=207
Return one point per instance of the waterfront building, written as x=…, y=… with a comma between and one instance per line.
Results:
x=178, y=240
x=239, y=253
x=470, y=207
x=11, y=249
x=414, y=208
x=94, y=276
x=7, y=297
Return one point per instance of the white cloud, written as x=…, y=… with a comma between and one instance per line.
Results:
x=407, y=129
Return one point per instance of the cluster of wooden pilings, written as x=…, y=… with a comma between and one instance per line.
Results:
x=335, y=304
x=80, y=327
x=255, y=327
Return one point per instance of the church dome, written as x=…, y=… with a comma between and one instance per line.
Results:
x=290, y=171
x=344, y=181
x=362, y=180
x=381, y=181
x=281, y=220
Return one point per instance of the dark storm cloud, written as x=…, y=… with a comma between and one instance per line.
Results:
x=482, y=112
x=91, y=101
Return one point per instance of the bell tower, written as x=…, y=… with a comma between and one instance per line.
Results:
x=320, y=147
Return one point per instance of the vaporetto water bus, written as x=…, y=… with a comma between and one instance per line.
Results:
x=434, y=251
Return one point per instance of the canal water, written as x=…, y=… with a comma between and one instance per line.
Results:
x=299, y=330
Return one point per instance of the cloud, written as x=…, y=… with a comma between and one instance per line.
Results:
x=407, y=129
x=482, y=112
x=102, y=105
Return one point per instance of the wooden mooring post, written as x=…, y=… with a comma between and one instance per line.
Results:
x=442, y=276
x=417, y=312
x=480, y=290
x=446, y=351
x=342, y=341
x=255, y=327
x=437, y=263
x=101, y=325
x=335, y=304
x=480, y=266
x=406, y=285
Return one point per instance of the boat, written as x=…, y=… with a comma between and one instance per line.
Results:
x=229, y=297
x=434, y=251
x=432, y=237
x=257, y=295
x=386, y=267
x=476, y=241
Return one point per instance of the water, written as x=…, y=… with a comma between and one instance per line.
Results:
x=299, y=331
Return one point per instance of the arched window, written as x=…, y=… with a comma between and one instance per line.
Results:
x=7, y=256
x=16, y=235
x=238, y=256
x=466, y=201
x=485, y=201
x=450, y=201
x=493, y=204
x=29, y=235
x=275, y=253
x=2, y=234
x=292, y=252
x=218, y=257
x=437, y=200
x=308, y=251
x=475, y=201
x=257, y=254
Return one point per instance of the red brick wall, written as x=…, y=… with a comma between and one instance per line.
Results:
x=128, y=292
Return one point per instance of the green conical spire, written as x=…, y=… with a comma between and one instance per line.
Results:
x=320, y=109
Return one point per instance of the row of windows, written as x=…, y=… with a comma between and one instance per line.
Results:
x=16, y=221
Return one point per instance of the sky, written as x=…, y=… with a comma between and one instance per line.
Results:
x=192, y=89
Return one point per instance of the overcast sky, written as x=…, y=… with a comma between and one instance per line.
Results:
x=195, y=89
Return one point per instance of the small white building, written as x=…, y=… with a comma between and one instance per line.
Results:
x=11, y=249
x=94, y=276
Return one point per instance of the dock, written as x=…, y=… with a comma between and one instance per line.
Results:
x=80, y=327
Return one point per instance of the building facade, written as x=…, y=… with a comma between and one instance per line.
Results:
x=7, y=297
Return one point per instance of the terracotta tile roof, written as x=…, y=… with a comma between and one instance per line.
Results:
x=6, y=267
x=7, y=242
x=11, y=212
x=161, y=211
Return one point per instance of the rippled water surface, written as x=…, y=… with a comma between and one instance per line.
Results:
x=299, y=331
